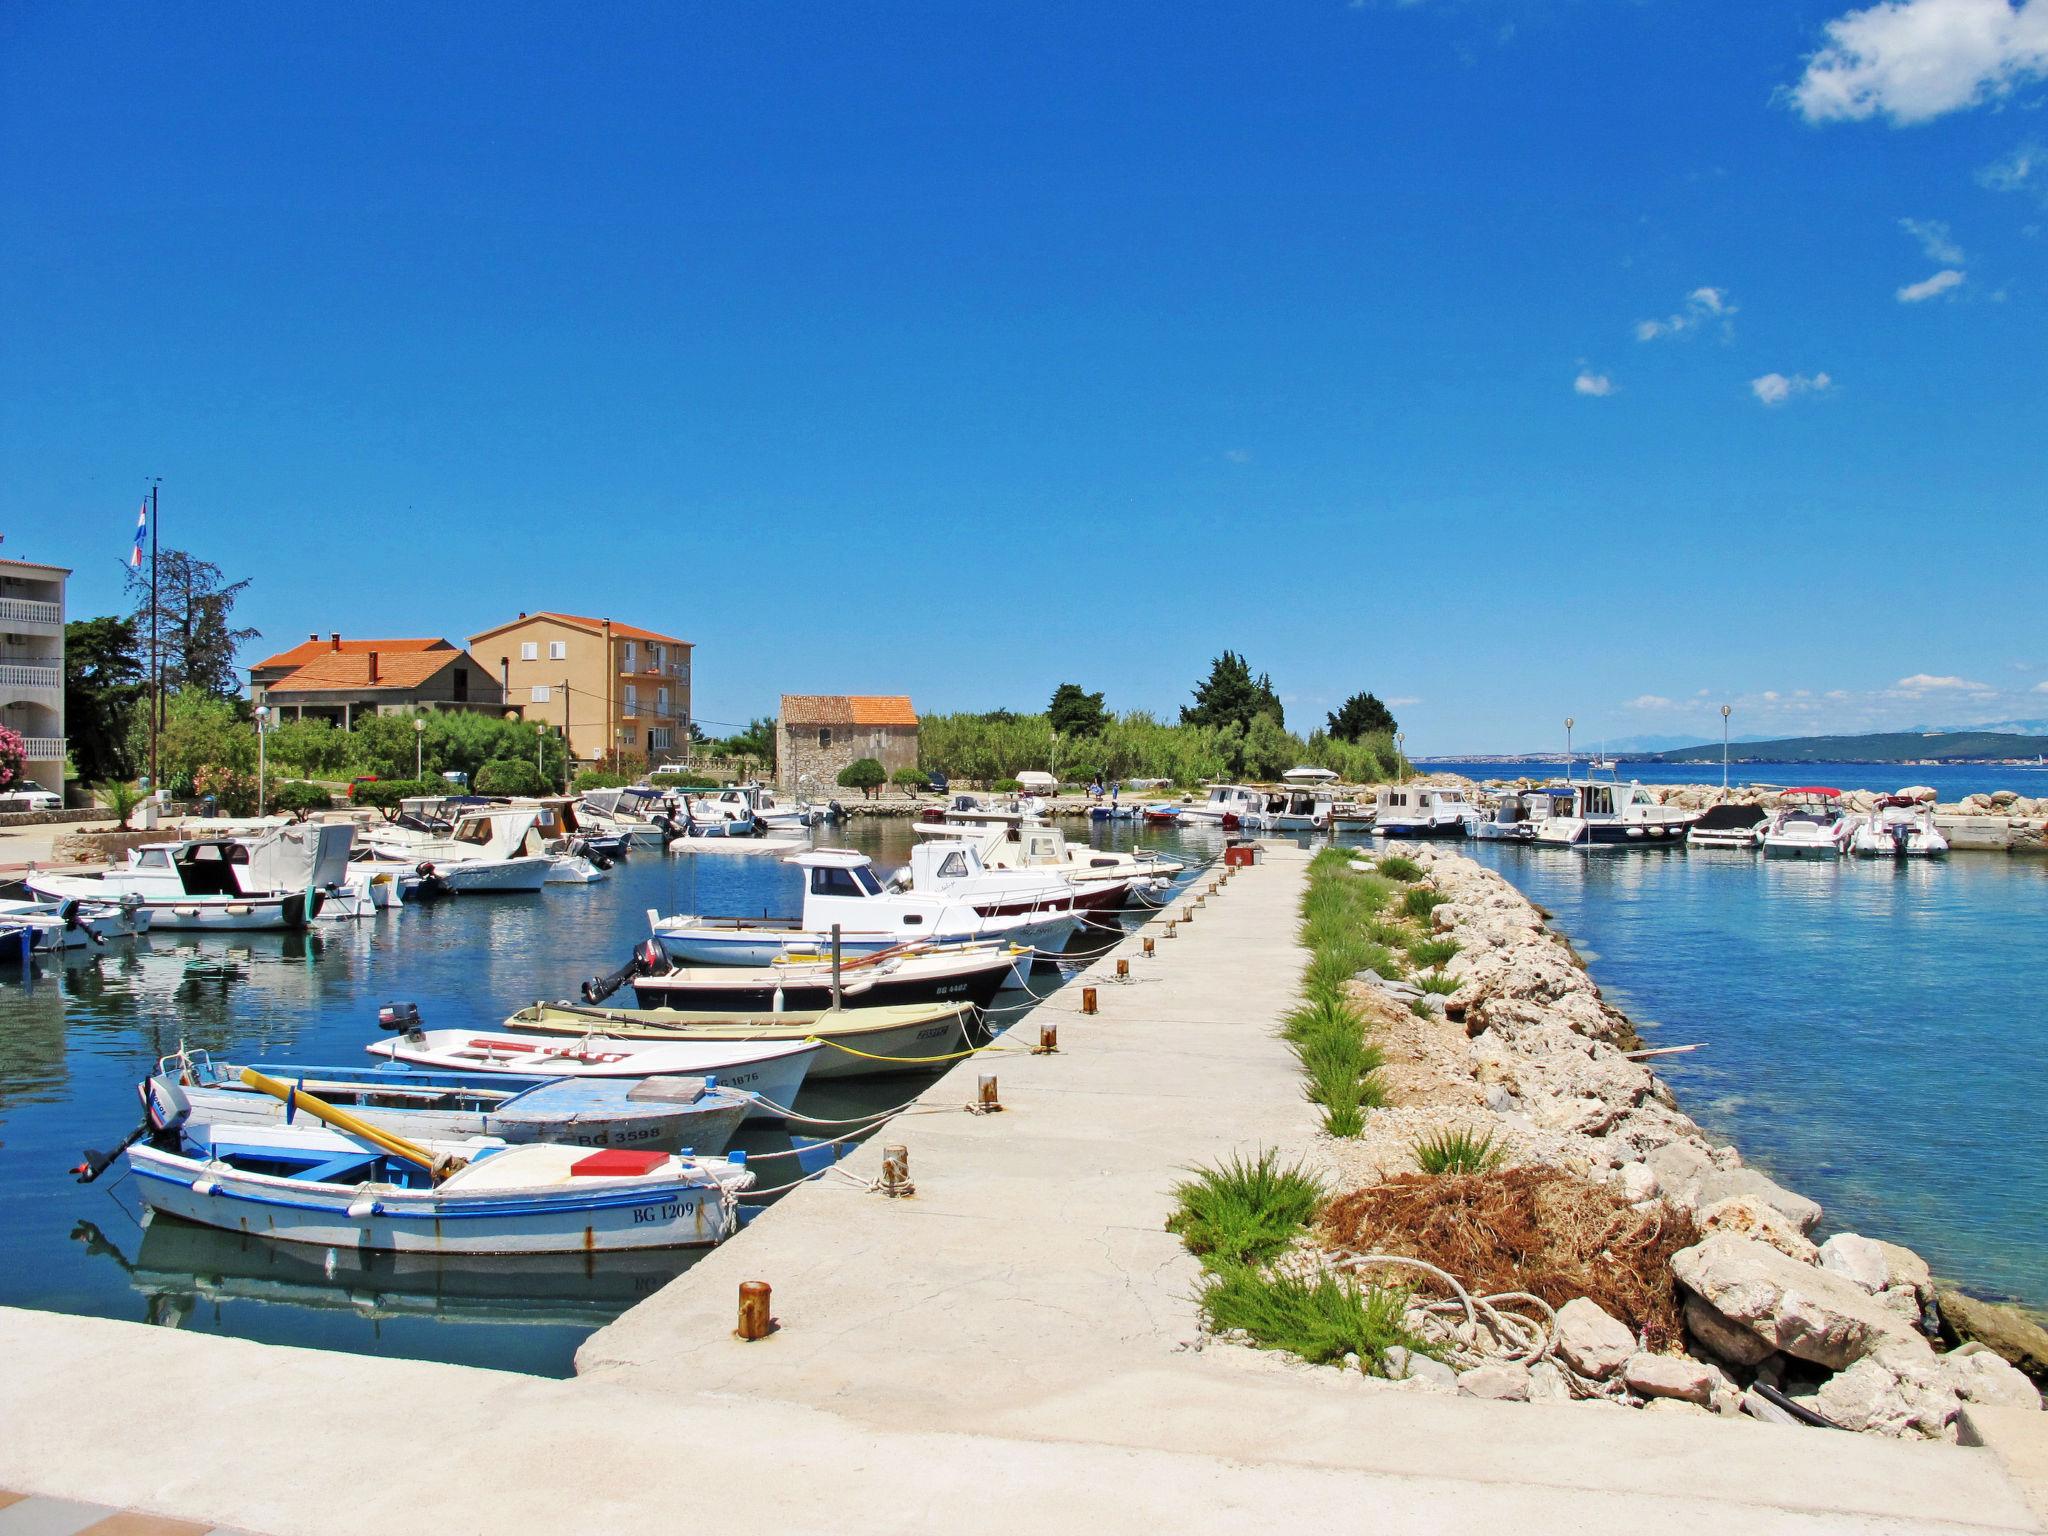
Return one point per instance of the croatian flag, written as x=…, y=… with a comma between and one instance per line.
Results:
x=141, y=533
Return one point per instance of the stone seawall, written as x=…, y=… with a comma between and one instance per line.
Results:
x=1530, y=1051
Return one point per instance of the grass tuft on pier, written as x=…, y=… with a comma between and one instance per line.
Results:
x=1398, y=867
x=1418, y=901
x=1459, y=1149
x=1432, y=954
x=1244, y=1212
x=1321, y=1319
x=1439, y=983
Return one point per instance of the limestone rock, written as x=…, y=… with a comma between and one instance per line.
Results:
x=1902, y=1266
x=1638, y=1182
x=1901, y=1392
x=1405, y=1365
x=1649, y=1375
x=1766, y=1223
x=1547, y=1383
x=1794, y=1307
x=1979, y=1374
x=1500, y=1381
x=1725, y=1340
x=1747, y=1183
x=1591, y=1341
x=1857, y=1260
x=1904, y=1300
x=2008, y=1330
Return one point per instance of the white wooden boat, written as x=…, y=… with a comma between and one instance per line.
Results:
x=278, y=880
x=1592, y=814
x=859, y=1042
x=968, y=974
x=1225, y=806
x=773, y=1070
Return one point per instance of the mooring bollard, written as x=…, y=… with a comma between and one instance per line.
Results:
x=1187, y=914
x=1169, y=928
x=1048, y=1040
x=755, y=1319
x=896, y=1172
x=1148, y=947
x=1123, y=967
x=986, y=1101
x=1087, y=999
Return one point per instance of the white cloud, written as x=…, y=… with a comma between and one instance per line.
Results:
x=1401, y=703
x=1770, y=695
x=1776, y=388
x=1649, y=701
x=1925, y=682
x=1935, y=240
x=1912, y=60
x=2024, y=170
x=1701, y=305
x=1595, y=384
x=2040, y=688
x=1930, y=287
x=1238, y=455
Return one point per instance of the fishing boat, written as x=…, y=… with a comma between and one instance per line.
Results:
x=1226, y=806
x=774, y=1071
x=49, y=927
x=860, y=1042
x=1591, y=814
x=1727, y=826
x=278, y=880
x=1419, y=810
x=1901, y=828
x=1512, y=818
x=661, y=1113
x=359, y=1188
x=1809, y=823
x=1161, y=815
x=912, y=974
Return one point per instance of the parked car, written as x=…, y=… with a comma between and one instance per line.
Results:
x=937, y=782
x=37, y=799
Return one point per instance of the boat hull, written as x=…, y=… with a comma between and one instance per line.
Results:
x=811, y=991
x=1419, y=829
x=851, y=1050
x=496, y=877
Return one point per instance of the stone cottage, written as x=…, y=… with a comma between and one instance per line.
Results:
x=818, y=734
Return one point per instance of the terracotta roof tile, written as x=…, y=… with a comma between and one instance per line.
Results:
x=847, y=709
x=308, y=650
x=349, y=670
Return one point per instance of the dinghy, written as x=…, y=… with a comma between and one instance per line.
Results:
x=358, y=1188
x=663, y=1114
x=860, y=1042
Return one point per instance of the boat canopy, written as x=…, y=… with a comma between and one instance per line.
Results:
x=1730, y=818
x=1816, y=789
x=1307, y=775
x=1033, y=778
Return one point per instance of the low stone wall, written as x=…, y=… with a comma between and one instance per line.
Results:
x=1851, y=1326
x=102, y=847
x=49, y=818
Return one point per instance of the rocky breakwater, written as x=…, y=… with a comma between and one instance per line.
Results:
x=1851, y=1329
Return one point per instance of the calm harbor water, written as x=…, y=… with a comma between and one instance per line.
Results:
x=1872, y=1030
x=77, y=1039
x=1952, y=780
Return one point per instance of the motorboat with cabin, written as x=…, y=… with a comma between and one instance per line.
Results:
x=1727, y=826
x=1104, y=879
x=1419, y=810
x=1808, y=823
x=1512, y=818
x=278, y=880
x=487, y=849
x=1226, y=806
x=1900, y=827
x=1595, y=814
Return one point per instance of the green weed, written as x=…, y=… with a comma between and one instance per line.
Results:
x=1459, y=1150
x=1241, y=1212
x=1439, y=983
x=1419, y=901
x=1398, y=867
x=1322, y=1320
x=1432, y=954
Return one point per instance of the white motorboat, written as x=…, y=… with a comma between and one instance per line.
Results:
x=1226, y=806
x=1899, y=828
x=49, y=927
x=1512, y=818
x=1727, y=826
x=627, y=813
x=487, y=849
x=964, y=974
x=758, y=803
x=772, y=1069
x=1810, y=823
x=1295, y=808
x=1419, y=810
x=1104, y=879
x=279, y=880
x=963, y=809
x=861, y=1042
x=1592, y=814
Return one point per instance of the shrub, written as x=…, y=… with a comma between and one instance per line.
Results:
x=912, y=779
x=1398, y=867
x=297, y=797
x=1006, y=786
x=1431, y=954
x=598, y=778
x=865, y=774
x=673, y=780
x=510, y=776
x=1239, y=1212
x=120, y=798
x=1321, y=1319
x=1459, y=1150
x=1419, y=901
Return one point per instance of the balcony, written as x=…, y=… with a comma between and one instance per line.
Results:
x=18, y=678
x=45, y=749
x=26, y=611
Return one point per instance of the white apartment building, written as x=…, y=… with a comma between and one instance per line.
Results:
x=32, y=664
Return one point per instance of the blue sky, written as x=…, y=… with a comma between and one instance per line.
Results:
x=1512, y=360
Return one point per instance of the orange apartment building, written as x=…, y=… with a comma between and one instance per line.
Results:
x=611, y=686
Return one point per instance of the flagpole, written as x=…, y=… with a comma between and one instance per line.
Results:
x=156, y=660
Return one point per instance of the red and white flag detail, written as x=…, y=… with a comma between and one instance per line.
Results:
x=141, y=532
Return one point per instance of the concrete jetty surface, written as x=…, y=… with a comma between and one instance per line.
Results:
x=1006, y=1350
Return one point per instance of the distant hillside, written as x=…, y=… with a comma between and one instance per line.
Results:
x=1883, y=747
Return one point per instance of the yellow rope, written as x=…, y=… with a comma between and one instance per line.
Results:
x=921, y=1060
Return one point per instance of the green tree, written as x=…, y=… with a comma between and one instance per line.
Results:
x=201, y=731
x=1074, y=713
x=1362, y=715
x=296, y=797
x=510, y=776
x=864, y=774
x=312, y=748
x=196, y=637
x=1231, y=696
x=453, y=741
x=102, y=683
x=912, y=779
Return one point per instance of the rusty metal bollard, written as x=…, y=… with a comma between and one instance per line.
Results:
x=1087, y=999
x=988, y=1103
x=1123, y=968
x=1048, y=1040
x=1148, y=947
x=896, y=1172
x=756, y=1321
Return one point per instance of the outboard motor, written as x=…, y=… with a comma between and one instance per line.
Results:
x=165, y=1108
x=432, y=885
x=646, y=960
x=398, y=1017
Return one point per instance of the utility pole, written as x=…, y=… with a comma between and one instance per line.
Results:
x=565, y=735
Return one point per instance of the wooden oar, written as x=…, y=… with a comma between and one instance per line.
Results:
x=345, y=1122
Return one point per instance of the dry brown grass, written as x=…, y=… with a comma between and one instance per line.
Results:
x=1540, y=1230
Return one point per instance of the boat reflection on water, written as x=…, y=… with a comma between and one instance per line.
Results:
x=179, y=1267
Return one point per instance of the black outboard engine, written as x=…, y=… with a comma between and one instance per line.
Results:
x=646, y=960
x=398, y=1017
x=432, y=885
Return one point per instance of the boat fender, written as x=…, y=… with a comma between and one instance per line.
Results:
x=360, y=1210
x=204, y=1186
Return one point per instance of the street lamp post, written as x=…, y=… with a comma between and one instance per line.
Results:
x=262, y=716
x=1401, y=751
x=1724, y=746
x=1567, y=749
x=419, y=739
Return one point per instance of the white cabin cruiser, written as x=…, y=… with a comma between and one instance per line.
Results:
x=963, y=810
x=1420, y=810
x=1609, y=815
x=1103, y=879
x=494, y=849
x=1512, y=818
x=628, y=812
x=279, y=880
x=841, y=887
x=1899, y=828
x=1809, y=824
x=1294, y=808
x=1727, y=826
x=1226, y=806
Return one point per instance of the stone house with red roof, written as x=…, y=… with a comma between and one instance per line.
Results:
x=341, y=680
x=818, y=734
x=613, y=686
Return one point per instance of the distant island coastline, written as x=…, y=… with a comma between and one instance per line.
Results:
x=1879, y=747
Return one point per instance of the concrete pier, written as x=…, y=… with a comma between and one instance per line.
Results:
x=1005, y=1349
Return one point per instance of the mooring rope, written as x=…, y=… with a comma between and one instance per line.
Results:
x=973, y=1050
